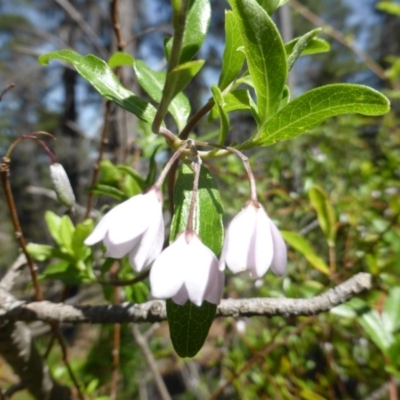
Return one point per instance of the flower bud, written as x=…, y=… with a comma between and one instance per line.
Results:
x=61, y=185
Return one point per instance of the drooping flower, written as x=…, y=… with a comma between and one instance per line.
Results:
x=253, y=243
x=187, y=270
x=135, y=226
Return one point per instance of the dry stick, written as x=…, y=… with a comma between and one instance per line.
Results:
x=155, y=310
x=144, y=346
x=195, y=118
x=330, y=30
x=257, y=358
x=6, y=89
x=96, y=167
x=4, y=173
x=116, y=25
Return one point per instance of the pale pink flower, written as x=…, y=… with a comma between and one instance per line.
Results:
x=135, y=226
x=253, y=243
x=187, y=270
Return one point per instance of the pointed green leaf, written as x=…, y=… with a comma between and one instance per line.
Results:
x=67, y=229
x=302, y=245
x=219, y=101
x=108, y=191
x=153, y=83
x=265, y=54
x=233, y=58
x=152, y=174
x=197, y=23
x=82, y=231
x=233, y=101
x=312, y=108
x=189, y=324
x=372, y=323
x=314, y=46
x=391, y=310
x=300, y=44
x=103, y=79
x=325, y=212
x=43, y=252
x=53, y=222
x=391, y=8
x=119, y=58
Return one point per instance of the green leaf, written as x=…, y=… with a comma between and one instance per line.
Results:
x=302, y=245
x=219, y=101
x=297, y=46
x=43, y=252
x=53, y=222
x=197, y=23
x=270, y=6
x=67, y=229
x=285, y=97
x=103, y=79
x=66, y=273
x=108, y=191
x=119, y=59
x=132, y=173
x=315, y=46
x=233, y=101
x=190, y=324
x=265, y=54
x=153, y=83
x=310, y=109
x=82, y=231
x=233, y=58
x=209, y=210
x=151, y=176
x=391, y=8
x=325, y=212
x=175, y=82
x=391, y=310
x=375, y=329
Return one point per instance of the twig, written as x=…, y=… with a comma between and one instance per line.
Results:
x=85, y=27
x=9, y=279
x=155, y=310
x=259, y=356
x=116, y=25
x=96, y=167
x=129, y=282
x=195, y=118
x=6, y=89
x=148, y=355
x=330, y=30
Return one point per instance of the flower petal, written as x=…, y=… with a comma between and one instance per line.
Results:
x=181, y=296
x=201, y=264
x=150, y=245
x=261, y=249
x=167, y=275
x=215, y=287
x=99, y=231
x=132, y=217
x=236, y=248
x=118, y=250
x=279, y=259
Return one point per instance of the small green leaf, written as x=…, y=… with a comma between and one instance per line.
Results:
x=53, y=222
x=153, y=83
x=233, y=101
x=119, y=59
x=197, y=23
x=190, y=324
x=265, y=54
x=151, y=176
x=302, y=245
x=391, y=8
x=82, y=231
x=233, y=58
x=297, y=46
x=43, y=252
x=285, y=97
x=108, y=191
x=219, y=101
x=325, y=212
x=67, y=229
x=312, y=108
x=391, y=310
x=66, y=273
x=103, y=79
x=373, y=325
x=132, y=173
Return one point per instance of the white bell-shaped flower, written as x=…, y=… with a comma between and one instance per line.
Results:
x=135, y=226
x=187, y=270
x=253, y=243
